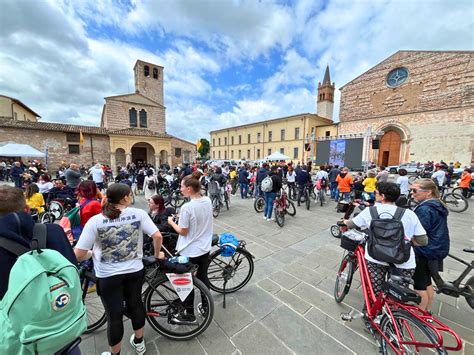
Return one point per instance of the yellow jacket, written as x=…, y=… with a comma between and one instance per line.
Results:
x=36, y=201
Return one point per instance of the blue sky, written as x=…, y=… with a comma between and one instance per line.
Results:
x=227, y=62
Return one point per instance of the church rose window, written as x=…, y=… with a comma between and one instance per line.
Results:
x=133, y=117
x=143, y=119
x=397, y=77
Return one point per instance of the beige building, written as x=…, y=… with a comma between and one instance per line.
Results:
x=293, y=135
x=418, y=105
x=132, y=129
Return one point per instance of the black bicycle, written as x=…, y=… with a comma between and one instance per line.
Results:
x=304, y=195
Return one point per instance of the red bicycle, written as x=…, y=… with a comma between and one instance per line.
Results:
x=398, y=327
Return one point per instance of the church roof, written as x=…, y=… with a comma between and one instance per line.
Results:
x=52, y=126
x=327, y=77
x=142, y=61
x=140, y=132
x=21, y=104
x=136, y=98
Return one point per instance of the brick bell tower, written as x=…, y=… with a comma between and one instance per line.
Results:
x=325, y=99
x=149, y=80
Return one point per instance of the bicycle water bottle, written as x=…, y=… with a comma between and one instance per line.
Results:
x=179, y=259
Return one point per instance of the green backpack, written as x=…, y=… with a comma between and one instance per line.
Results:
x=42, y=311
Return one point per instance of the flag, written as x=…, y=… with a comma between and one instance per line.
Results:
x=81, y=138
x=198, y=145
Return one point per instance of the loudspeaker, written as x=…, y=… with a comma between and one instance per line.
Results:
x=375, y=143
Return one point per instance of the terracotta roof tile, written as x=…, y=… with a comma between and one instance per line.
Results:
x=51, y=126
x=139, y=132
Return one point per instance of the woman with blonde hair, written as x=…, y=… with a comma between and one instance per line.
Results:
x=433, y=216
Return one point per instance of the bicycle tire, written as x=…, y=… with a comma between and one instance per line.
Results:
x=292, y=194
x=279, y=217
x=169, y=307
x=216, y=207
x=307, y=200
x=335, y=231
x=403, y=318
x=344, y=278
x=455, y=202
x=46, y=217
x=290, y=208
x=223, y=266
x=177, y=199
x=459, y=190
x=259, y=204
x=96, y=316
x=470, y=287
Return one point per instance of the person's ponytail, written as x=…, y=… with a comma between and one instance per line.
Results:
x=110, y=210
x=115, y=193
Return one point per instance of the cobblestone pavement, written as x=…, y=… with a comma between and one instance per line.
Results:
x=288, y=307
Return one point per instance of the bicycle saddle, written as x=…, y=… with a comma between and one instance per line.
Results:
x=469, y=250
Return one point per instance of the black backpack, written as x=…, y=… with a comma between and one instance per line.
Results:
x=324, y=182
x=152, y=184
x=387, y=238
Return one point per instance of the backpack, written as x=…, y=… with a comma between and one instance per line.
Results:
x=152, y=184
x=387, y=238
x=267, y=184
x=42, y=311
x=71, y=222
x=324, y=183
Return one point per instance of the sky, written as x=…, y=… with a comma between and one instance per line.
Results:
x=226, y=62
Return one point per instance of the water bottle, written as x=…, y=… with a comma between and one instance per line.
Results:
x=179, y=259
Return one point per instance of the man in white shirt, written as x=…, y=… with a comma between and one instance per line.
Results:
x=98, y=175
x=439, y=175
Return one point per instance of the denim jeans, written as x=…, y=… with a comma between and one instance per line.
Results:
x=346, y=196
x=244, y=189
x=269, y=198
x=334, y=191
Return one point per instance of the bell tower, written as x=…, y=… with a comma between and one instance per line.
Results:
x=149, y=80
x=325, y=99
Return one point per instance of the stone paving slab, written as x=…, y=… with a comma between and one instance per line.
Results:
x=288, y=306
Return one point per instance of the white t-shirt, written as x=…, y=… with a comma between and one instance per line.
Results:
x=97, y=174
x=411, y=225
x=197, y=216
x=290, y=177
x=439, y=175
x=322, y=174
x=117, y=243
x=403, y=182
x=45, y=187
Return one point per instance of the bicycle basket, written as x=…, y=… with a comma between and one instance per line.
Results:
x=213, y=188
x=351, y=239
x=228, y=244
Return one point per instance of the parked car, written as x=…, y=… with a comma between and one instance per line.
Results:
x=411, y=168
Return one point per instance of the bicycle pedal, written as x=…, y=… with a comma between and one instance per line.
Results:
x=347, y=317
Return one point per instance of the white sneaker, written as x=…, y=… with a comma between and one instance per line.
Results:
x=265, y=218
x=140, y=348
x=106, y=353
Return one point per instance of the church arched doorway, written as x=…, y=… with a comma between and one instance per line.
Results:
x=389, y=150
x=163, y=158
x=143, y=153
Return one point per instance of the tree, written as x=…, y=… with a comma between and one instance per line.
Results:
x=203, y=147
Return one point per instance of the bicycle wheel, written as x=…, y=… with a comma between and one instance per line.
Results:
x=470, y=296
x=459, y=190
x=96, y=317
x=290, y=208
x=177, y=199
x=279, y=216
x=56, y=208
x=410, y=329
x=344, y=278
x=162, y=306
x=307, y=200
x=335, y=231
x=259, y=204
x=455, y=202
x=292, y=194
x=236, y=269
x=47, y=217
x=216, y=206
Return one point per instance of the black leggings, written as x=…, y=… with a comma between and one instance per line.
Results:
x=113, y=291
x=203, y=263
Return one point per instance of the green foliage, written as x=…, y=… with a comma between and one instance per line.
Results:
x=204, y=148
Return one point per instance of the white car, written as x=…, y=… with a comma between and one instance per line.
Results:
x=411, y=168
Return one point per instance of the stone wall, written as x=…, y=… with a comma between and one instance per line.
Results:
x=185, y=146
x=437, y=80
x=58, y=149
x=148, y=85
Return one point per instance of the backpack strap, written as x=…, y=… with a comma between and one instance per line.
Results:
x=373, y=212
x=85, y=203
x=399, y=214
x=13, y=246
x=39, y=236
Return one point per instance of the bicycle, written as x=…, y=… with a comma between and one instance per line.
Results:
x=290, y=209
x=320, y=195
x=161, y=301
x=304, y=195
x=454, y=202
x=395, y=325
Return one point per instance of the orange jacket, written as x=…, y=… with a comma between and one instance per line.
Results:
x=344, y=183
x=465, y=179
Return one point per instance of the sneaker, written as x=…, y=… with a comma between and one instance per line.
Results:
x=106, y=353
x=183, y=318
x=265, y=218
x=140, y=348
x=92, y=288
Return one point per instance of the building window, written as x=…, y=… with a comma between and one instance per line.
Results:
x=143, y=120
x=219, y=154
x=73, y=137
x=248, y=138
x=297, y=133
x=282, y=150
x=146, y=70
x=232, y=140
x=248, y=154
x=219, y=141
x=240, y=154
x=213, y=155
x=213, y=142
x=74, y=149
x=231, y=154
x=295, y=153
x=225, y=154
x=328, y=133
x=282, y=135
x=270, y=136
x=258, y=137
x=133, y=117
x=240, y=139
x=225, y=140
x=155, y=73
x=258, y=153
x=269, y=151
x=177, y=152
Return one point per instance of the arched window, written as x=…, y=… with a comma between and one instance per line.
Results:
x=146, y=70
x=143, y=122
x=155, y=73
x=133, y=117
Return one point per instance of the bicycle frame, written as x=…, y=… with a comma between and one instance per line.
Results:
x=378, y=305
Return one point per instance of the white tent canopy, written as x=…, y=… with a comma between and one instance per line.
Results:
x=277, y=156
x=20, y=150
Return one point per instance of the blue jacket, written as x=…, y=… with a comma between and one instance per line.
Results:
x=262, y=174
x=243, y=176
x=23, y=233
x=302, y=177
x=433, y=216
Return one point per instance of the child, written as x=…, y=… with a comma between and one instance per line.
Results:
x=34, y=199
x=369, y=184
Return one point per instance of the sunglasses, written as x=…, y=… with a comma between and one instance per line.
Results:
x=418, y=190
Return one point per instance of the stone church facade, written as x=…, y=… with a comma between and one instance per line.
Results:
x=132, y=129
x=418, y=105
